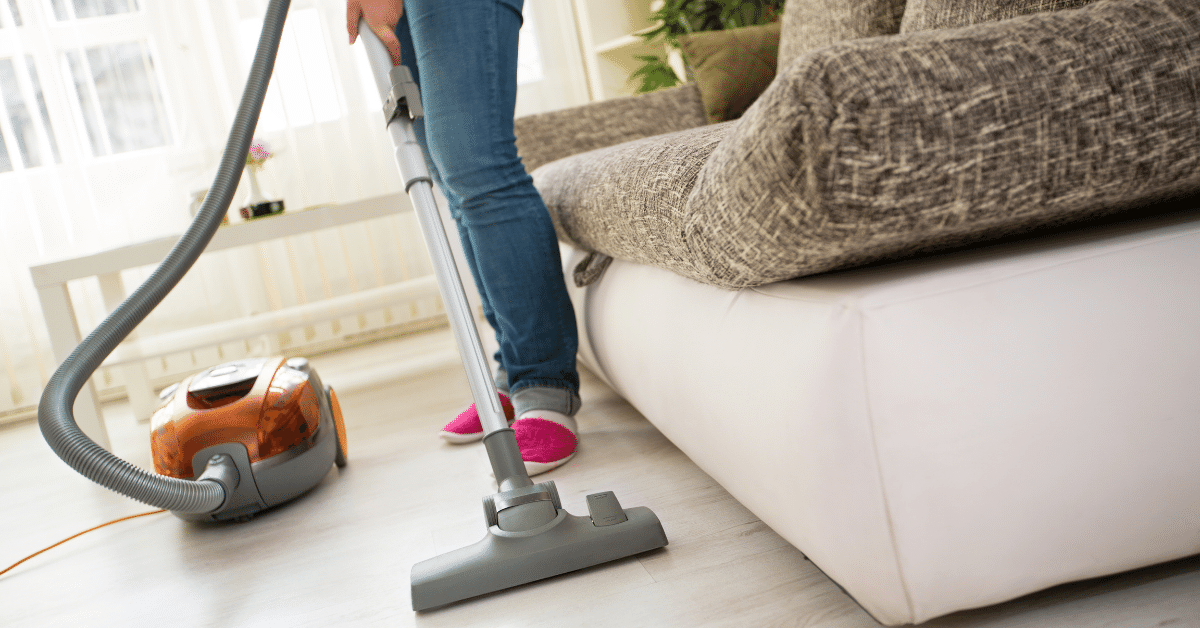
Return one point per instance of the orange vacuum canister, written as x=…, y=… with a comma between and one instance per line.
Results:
x=271, y=416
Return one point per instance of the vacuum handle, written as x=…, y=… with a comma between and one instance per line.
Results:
x=395, y=85
x=379, y=58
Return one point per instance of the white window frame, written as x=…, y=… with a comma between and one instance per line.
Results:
x=46, y=40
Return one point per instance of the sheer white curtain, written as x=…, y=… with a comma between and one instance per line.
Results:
x=113, y=114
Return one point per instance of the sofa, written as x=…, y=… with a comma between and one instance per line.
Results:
x=926, y=306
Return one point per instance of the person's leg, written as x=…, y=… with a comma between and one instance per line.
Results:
x=466, y=52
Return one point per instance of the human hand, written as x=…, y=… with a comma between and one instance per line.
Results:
x=381, y=16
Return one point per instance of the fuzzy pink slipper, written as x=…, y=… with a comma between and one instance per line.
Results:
x=467, y=428
x=544, y=444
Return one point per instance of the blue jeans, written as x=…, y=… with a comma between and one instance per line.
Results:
x=463, y=55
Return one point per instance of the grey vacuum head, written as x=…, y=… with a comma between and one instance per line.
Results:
x=510, y=557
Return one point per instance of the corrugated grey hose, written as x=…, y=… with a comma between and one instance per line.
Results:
x=55, y=410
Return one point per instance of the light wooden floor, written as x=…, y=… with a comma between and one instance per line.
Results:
x=340, y=556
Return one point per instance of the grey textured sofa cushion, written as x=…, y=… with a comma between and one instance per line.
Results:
x=812, y=24
x=885, y=147
x=545, y=137
x=628, y=201
x=927, y=15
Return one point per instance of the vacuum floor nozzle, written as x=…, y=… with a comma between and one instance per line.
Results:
x=508, y=559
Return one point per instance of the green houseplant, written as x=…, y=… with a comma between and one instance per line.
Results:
x=680, y=17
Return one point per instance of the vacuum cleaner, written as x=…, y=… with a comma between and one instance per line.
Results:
x=234, y=439
x=241, y=437
x=266, y=429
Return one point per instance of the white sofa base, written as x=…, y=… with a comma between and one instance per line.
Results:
x=940, y=434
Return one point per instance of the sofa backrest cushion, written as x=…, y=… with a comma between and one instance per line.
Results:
x=732, y=67
x=553, y=135
x=890, y=147
x=928, y=15
x=812, y=24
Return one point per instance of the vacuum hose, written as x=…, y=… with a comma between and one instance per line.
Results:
x=55, y=415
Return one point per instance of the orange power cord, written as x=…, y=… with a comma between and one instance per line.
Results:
x=13, y=566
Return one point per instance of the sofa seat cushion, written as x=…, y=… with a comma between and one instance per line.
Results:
x=546, y=137
x=628, y=201
x=890, y=147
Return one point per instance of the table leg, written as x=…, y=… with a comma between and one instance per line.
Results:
x=142, y=398
x=64, y=336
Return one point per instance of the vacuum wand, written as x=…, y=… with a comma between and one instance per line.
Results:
x=402, y=105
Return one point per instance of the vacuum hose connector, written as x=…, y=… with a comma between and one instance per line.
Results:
x=55, y=417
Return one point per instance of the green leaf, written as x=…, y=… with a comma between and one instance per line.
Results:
x=654, y=74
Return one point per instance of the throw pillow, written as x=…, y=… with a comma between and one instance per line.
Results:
x=732, y=67
x=812, y=24
x=928, y=15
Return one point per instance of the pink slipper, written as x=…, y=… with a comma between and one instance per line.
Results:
x=544, y=444
x=467, y=428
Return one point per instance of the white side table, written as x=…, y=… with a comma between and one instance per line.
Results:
x=51, y=279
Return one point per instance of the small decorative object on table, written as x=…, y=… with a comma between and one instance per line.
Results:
x=258, y=205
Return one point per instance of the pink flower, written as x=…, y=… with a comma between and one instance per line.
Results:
x=259, y=153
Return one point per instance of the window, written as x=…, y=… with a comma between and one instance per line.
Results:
x=108, y=83
x=79, y=9
x=118, y=98
x=12, y=17
x=303, y=90
x=28, y=140
x=529, y=53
